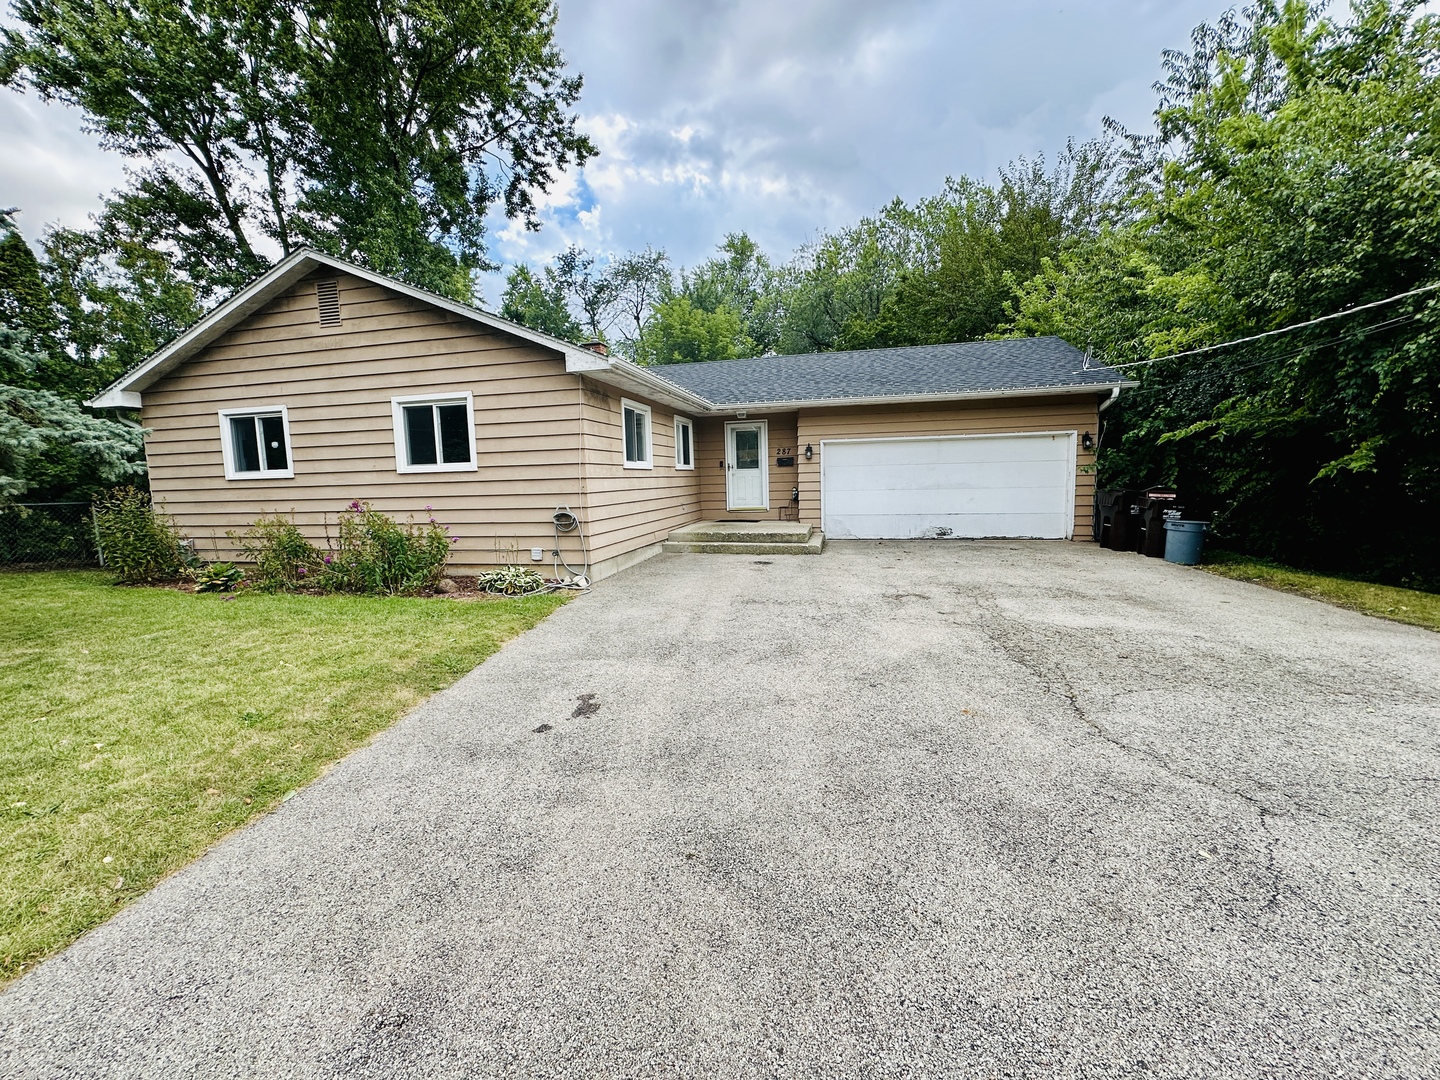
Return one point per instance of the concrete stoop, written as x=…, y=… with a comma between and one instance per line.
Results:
x=746, y=538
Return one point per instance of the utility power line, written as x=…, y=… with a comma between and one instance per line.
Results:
x=1273, y=333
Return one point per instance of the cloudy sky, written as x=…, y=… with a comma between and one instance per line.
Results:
x=779, y=117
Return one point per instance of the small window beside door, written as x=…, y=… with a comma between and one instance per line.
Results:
x=684, y=443
x=255, y=443
x=434, y=433
x=635, y=419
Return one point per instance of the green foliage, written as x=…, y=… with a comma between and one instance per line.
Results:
x=116, y=303
x=539, y=302
x=137, y=543
x=50, y=448
x=372, y=554
x=217, y=577
x=681, y=333
x=511, y=581
x=1292, y=174
x=283, y=559
x=375, y=554
x=742, y=279
x=245, y=120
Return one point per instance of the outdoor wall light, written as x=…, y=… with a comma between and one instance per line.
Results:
x=1087, y=441
x=809, y=451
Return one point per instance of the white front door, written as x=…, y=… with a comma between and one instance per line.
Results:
x=747, y=480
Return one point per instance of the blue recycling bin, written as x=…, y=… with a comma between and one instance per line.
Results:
x=1184, y=541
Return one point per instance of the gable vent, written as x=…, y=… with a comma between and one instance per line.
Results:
x=327, y=300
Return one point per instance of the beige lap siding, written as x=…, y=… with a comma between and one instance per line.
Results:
x=710, y=460
x=337, y=383
x=1069, y=413
x=632, y=508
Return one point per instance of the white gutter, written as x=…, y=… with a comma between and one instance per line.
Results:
x=919, y=399
x=1115, y=393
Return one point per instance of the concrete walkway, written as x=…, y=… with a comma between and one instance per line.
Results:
x=900, y=810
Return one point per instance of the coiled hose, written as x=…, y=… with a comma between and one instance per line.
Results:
x=566, y=522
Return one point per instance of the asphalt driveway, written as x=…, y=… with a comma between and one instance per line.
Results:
x=900, y=810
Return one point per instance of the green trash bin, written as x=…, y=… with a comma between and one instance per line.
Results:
x=1184, y=541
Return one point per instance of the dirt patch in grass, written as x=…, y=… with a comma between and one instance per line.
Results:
x=141, y=724
x=1383, y=601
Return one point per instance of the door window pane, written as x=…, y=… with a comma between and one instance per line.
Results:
x=420, y=434
x=454, y=433
x=272, y=435
x=244, y=444
x=747, y=448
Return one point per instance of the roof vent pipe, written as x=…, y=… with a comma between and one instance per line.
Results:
x=596, y=346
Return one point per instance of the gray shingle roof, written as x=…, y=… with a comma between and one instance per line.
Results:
x=974, y=367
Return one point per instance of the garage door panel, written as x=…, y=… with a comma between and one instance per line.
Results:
x=1000, y=486
x=941, y=526
x=948, y=501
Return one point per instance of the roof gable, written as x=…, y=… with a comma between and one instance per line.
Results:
x=125, y=392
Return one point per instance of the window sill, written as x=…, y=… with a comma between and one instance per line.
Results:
x=685, y=468
x=458, y=466
x=639, y=465
x=273, y=474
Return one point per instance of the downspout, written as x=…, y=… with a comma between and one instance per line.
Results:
x=1114, y=393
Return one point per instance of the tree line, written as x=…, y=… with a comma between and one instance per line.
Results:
x=1291, y=172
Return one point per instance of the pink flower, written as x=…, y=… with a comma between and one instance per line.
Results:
x=300, y=570
x=327, y=560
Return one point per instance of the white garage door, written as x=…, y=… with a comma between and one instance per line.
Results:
x=962, y=485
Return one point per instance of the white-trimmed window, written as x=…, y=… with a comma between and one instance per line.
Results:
x=255, y=443
x=635, y=419
x=434, y=432
x=684, y=443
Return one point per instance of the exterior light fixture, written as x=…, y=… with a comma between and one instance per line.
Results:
x=1087, y=441
x=809, y=451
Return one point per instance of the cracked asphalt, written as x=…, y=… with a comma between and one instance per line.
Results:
x=945, y=809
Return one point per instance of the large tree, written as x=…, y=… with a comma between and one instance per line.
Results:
x=380, y=130
x=1291, y=175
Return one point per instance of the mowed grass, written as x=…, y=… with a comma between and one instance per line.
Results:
x=140, y=725
x=1385, y=601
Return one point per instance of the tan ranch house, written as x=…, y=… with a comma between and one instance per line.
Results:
x=323, y=382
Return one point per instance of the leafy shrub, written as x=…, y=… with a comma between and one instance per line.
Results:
x=283, y=558
x=136, y=542
x=510, y=580
x=218, y=577
x=375, y=554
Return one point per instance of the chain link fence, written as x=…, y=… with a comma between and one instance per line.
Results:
x=47, y=535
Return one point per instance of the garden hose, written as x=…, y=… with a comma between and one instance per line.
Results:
x=566, y=522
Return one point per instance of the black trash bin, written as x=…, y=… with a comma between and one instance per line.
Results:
x=1115, y=520
x=1154, y=506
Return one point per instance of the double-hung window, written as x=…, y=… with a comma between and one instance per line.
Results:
x=255, y=443
x=434, y=432
x=684, y=443
x=635, y=418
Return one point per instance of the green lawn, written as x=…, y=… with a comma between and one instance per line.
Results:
x=1386, y=601
x=142, y=724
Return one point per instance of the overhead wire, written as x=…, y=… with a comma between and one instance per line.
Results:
x=1196, y=373
x=1272, y=333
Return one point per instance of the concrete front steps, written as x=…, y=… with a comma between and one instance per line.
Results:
x=747, y=538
